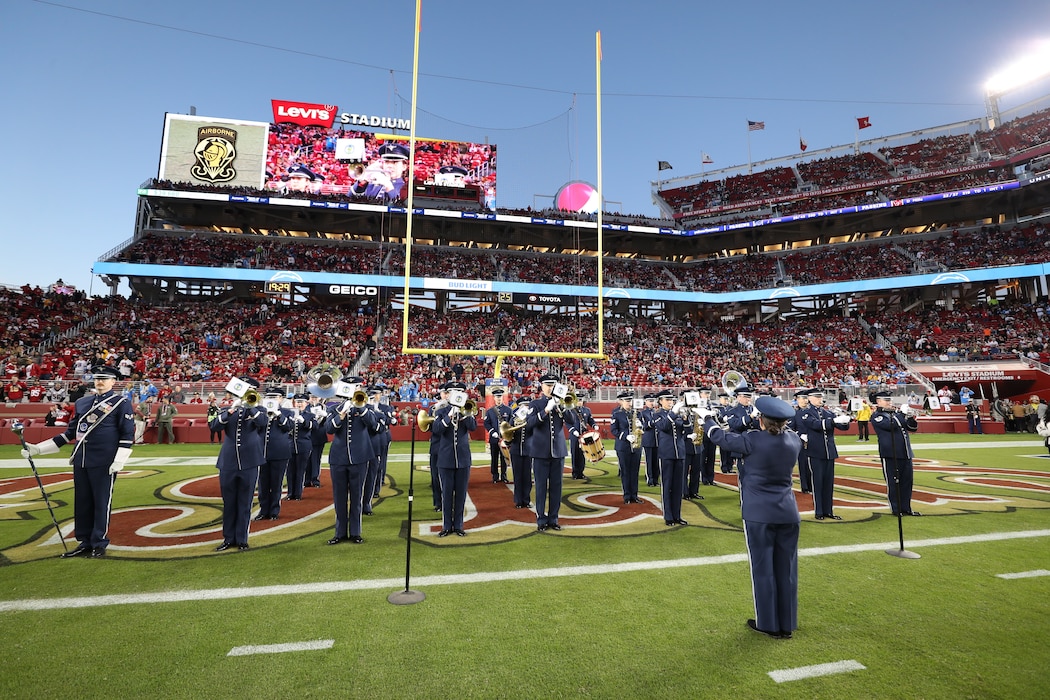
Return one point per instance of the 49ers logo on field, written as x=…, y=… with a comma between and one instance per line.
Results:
x=303, y=113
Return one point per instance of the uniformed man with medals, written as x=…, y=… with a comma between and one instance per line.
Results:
x=103, y=428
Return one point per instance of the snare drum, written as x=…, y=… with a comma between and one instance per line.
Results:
x=592, y=446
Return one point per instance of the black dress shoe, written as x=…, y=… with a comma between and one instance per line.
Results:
x=668, y=523
x=754, y=626
x=260, y=516
x=806, y=491
x=681, y=522
x=437, y=509
x=444, y=533
x=224, y=546
x=335, y=540
x=80, y=551
x=832, y=517
x=98, y=552
x=782, y=634
x=554, y=526
x=357, y=539
x=518, y=505
x=504, y=480
x=818, y=517
x=912, y=512
x=242, y=548
x=636, y=500
x=368, y=512
x=541, y=528
x=273, y=517
x=460, y=533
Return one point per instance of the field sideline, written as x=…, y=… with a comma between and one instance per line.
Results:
x=615, y=609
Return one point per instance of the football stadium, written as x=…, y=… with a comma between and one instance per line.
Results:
x=344, y=423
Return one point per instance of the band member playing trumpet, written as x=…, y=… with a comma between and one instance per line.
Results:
x=670, y=427
x=277, y=451
x=495, y=416
x=627, y=453
x=385, y=417
x=740, y=418
x=303, y=425
x=545, y=443
x=891, y=428
x=805, y=474
x=435, y=440
x=318, y=441
x=652, y=464
x=239, y=458
x=351, y=425
x=453, y=425
x=820, y=425
x=520, y=461
x=584, y=424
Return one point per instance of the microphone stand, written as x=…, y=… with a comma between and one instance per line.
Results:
x=902, y=552
x=408, y=596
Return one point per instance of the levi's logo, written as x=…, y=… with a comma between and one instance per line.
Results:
x=303, y=113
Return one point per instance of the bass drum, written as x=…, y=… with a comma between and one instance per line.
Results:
x=592, y=446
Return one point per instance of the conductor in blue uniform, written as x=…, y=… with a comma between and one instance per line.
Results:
x=769, y=512
x=352, y=427
x=240, y=456
x=545, y=443
x=103, y=427
x=453, y=425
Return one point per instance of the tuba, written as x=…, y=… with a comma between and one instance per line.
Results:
x=506, y=430
x=424, y=420
x=733, y=381
x=322, y=379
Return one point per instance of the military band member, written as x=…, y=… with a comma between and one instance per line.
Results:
x=670, y=430
x=769, y=512
x=652, y=463
x=453, y=426
x=380, y=444
x=240, y=456
x=740, y=418
x=707, y=464
x=103, y=428
x=351, y=427
x=820, y=425
x=303, y=425
x=318, y=441
x=520, y=462
x=584, y=420
x=545, y=443
x=891, y=429
x=805, y=473
x=435, y=476
x=628, y=454
x=277, y=452
x=388, y=417
x=493, y=417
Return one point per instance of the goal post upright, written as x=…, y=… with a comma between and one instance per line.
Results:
x=487, y=352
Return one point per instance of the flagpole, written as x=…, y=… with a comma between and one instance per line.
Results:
x=749, y=149
x=601, y=202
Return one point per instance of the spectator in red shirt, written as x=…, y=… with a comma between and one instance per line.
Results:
x=15, y=391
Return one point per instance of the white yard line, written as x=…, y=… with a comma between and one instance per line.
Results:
x=281, y=648
x=1025, y=574
x=480, y=577
x=797, y=674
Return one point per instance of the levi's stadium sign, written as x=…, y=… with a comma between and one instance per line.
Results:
x=303, y=113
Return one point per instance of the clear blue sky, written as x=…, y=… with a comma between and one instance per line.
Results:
x=86, y=86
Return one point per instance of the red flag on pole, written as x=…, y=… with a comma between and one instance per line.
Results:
x=802, y=145
x=863, y=122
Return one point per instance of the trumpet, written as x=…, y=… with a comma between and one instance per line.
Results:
x=251, y=398
x=469, y=408
x=358, y=400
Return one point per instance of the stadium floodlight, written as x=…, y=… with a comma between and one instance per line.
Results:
x=1027, y=70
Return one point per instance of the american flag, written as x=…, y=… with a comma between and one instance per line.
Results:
x=755, y=126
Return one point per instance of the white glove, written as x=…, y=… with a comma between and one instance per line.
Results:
x=236, y=404
x=347, y=406
x=908, y=410
x=804, y=437
x=299, y=418
x=842, y=420
x=691, y=436
x=755, y=413
x=704, y=413
x=677, y=408
x=41, y=448
x=550, y=406
x=120, y=459
x=631, y=439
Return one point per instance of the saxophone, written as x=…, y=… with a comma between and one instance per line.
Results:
x=698, y=430
x=636, y=429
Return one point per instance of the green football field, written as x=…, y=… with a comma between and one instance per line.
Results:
x=616, y=605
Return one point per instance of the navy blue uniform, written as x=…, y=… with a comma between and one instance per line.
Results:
x=381, y=446
x=498, y=462
x=771, y=521
x=545, y=443
x=302, y=436
x=348, y=466
x=521, y=464
x=694, y=459
x=670, y=450
x=805, y=474
x=819, y=424
x=740, y=419
x=453, y=460
x=628, y=456
x=100, y=426
x=652, y=464
x=584, y=421
x=891, y=429
x=238, y=465
x=277, y=451
x=388, y=417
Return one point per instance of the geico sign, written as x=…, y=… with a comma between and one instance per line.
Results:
x=357, y=290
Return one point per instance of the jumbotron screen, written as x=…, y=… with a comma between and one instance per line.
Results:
x=339, y=161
